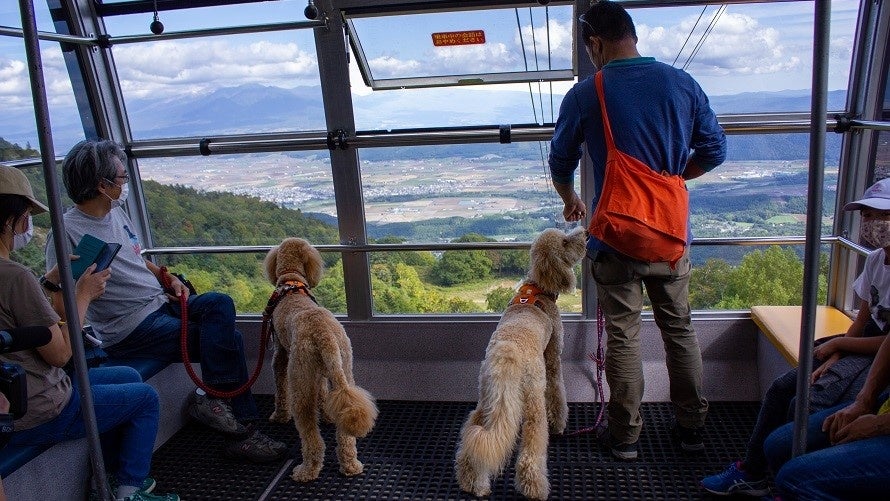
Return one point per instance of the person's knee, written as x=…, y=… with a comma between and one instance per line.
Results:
x=220, y=301
x=148, y=396
x=127, y=374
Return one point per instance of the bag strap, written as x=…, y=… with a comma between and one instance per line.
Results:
x=607, y=127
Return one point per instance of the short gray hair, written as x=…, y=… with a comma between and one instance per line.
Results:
x=87, y=164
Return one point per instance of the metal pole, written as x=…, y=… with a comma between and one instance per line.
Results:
x=47, y=153
x=822, y=18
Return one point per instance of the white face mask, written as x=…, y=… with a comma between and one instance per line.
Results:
x=875, y=232
x=19, y=240
x=122, y=198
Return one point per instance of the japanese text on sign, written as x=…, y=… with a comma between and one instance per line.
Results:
x=469, y=37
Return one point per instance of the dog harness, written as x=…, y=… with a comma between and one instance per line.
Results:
x=287, y=287
x=528, y=294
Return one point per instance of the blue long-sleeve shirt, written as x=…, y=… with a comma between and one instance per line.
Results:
x=659, y=115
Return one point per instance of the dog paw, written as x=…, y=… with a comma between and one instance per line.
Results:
x=351, y=468
x=557, y=428
x=535, y=491
x=304, y=473
x=279, y=416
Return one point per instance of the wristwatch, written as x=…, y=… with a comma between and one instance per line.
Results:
x=49, y=285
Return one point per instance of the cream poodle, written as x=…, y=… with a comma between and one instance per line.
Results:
x=313, y=363
x=520, y=382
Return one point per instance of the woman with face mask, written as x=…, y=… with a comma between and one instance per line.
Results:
x=126, y=408
x=842, y=366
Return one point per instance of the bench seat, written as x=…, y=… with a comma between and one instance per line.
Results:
x=779, y=344
x=781, y=325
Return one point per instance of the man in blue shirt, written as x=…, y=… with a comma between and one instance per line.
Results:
x=660, y=116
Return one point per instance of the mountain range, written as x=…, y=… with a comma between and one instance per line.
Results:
x=258, y=108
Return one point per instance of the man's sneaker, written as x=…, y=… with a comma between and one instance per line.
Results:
x=689, y=438
x=257, y=448
x=215, y=413
x=734, y=480
x=624, y=452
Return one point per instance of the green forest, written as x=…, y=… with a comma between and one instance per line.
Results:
x=413, y=281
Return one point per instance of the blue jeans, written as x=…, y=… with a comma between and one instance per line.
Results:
x=126, y=415
x=778, y=403
x=855, y=470
x=213, y=341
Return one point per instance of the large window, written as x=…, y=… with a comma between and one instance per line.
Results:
x=17, y=119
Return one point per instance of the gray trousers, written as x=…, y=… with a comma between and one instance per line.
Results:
x=620, y=282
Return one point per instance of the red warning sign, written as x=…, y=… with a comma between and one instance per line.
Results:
x=469, y=37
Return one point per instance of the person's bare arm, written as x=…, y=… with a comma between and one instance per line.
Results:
x=90, y=286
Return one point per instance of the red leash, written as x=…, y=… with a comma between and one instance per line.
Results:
x=183, y=307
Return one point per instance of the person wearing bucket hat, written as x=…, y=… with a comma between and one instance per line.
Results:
x=14, y=182
x=842, y=365
x=127, y=409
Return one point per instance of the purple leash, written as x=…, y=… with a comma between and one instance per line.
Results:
x=600, y=360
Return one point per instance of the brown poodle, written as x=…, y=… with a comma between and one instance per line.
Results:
x=311, y=353
x=520, y=382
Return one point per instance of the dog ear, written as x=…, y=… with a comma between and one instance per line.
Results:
x=314, y=266
x=270, y=263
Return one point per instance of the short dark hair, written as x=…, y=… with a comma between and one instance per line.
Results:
x=12, y=207
x=87, y=164
x=607, y=20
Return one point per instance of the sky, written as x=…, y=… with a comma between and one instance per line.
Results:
x=756, y=47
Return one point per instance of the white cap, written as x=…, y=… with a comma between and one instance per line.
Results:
x=877, y=196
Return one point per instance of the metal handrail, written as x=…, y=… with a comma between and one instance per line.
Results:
x=445, y=246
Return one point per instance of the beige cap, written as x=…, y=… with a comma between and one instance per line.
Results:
x=14, y=182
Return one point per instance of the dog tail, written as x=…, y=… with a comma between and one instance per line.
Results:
x=490, y=441
x=352, y=409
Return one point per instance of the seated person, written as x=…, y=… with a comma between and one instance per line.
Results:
x=841, y=363
x=136, y=318
x=4, y=409
x=846, y=451
x=126, y=408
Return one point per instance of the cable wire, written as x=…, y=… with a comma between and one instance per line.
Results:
x=690, y=34
x=704, y=37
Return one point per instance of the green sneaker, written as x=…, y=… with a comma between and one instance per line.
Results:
x=141, y=495
x=148, y=485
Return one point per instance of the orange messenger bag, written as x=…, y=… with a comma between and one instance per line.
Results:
x=640, y=213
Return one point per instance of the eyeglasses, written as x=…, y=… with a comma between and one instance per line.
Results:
x=582, y=20
x=125, y=177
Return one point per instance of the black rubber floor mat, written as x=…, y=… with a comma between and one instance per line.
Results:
x=410, y=456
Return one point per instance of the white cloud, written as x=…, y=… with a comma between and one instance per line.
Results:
x=555, y=39
x=737, y=44
x=192, y=67
x=15, y=82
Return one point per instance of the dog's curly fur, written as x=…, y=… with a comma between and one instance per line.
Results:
x=312, y=352
x=520, y=382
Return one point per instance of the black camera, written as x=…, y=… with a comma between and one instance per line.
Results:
x=15, y=388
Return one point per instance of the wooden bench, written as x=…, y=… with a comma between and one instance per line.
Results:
x=780, y=326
